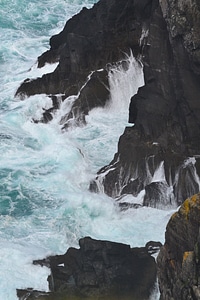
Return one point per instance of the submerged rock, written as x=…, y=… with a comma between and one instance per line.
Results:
x=99, y=270
x=179, y=259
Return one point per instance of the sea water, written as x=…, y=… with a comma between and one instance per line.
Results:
x=45, y=205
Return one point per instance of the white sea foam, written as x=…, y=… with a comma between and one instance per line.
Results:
x=124, y=79
x=159, y=174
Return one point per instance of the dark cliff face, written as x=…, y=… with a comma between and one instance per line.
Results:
x=165, y=112
x=165, y=36
x=178, y=261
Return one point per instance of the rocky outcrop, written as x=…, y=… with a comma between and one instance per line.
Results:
x=91, y=41
x=179, y=259
x=99, y=270
x=165, y=113
x=165, y=36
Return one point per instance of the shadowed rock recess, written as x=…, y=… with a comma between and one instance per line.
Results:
x=160, y=153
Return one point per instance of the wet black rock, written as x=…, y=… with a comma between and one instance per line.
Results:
x=90, y=41
x=165, y=37
x=95, y=93
x=165, y=112
x=99, y=270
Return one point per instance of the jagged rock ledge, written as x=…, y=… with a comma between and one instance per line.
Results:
x=99, y=270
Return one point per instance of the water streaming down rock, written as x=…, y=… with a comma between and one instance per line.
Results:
x=111, y=88
x=124, y=79
x=158, y=193
x=187, y=179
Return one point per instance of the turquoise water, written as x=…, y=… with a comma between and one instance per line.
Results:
x=45, y=205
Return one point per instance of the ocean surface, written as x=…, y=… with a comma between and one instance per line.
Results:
x=45, y=205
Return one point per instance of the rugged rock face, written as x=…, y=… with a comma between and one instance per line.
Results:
x=165, y=36
x=89, y=42
x=179, y=259
x=160, y=153
x=165, y=112
x=99, y=270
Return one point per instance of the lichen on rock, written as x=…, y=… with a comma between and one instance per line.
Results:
x=178, y=261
